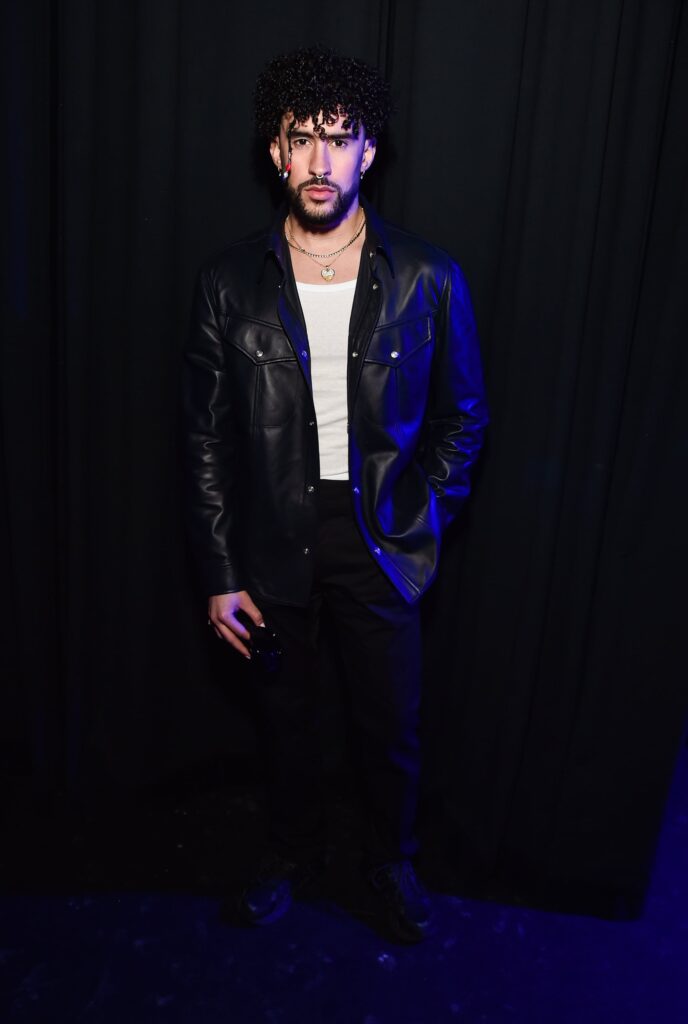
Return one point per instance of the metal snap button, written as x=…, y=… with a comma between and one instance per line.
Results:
x=354, y=355
x=377, y=551
x=375, y=286
x=306, y=551
x=356, y=490
x=259, y=353
x=394, y=355
x=304, y=354
x=310, y=488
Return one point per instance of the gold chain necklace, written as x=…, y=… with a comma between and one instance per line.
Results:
x=326, y=272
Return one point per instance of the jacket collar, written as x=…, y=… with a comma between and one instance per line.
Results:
x=376, y=239
x=376, y=233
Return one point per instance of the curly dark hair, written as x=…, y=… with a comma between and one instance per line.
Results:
x=317, y=82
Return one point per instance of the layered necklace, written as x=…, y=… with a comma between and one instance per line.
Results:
x=326, y=272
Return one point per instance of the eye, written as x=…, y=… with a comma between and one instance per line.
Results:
x=299, y=143
x=339, y=143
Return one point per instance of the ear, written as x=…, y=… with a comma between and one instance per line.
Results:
x=275, y=154
x=369, y=150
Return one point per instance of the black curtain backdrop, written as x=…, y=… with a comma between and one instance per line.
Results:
x=543, y=144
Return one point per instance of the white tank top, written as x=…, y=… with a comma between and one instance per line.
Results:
x=327, y=312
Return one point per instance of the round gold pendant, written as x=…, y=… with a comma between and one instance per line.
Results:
x=327, y=273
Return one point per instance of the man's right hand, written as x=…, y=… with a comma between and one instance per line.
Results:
x=222, y=609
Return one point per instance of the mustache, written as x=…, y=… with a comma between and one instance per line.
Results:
x=317, y=183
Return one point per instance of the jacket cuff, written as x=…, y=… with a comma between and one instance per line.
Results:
x=219, y=579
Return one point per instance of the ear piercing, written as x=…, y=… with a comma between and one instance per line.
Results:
x=284, y=174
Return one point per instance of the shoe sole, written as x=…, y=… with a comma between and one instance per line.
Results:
x=409, y=935
x=270, y=918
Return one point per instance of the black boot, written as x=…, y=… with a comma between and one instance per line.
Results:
x=409, y=913
x=268, y=895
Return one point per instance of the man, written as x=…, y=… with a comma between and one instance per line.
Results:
x=334, y=409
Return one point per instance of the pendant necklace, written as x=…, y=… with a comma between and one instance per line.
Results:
x=326, y=272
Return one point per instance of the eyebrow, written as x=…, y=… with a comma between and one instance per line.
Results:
x=300, y=133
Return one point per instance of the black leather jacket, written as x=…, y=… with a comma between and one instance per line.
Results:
x=416, y=414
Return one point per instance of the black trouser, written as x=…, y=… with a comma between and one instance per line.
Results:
x=379, y=639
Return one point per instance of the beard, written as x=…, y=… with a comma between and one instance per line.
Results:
x=325, y=216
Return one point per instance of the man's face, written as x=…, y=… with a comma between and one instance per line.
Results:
x=325, y=175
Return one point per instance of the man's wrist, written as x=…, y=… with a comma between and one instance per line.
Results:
x=219, y=580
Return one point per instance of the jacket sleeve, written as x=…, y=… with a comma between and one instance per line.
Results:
x=456, y=415
x=209, y=446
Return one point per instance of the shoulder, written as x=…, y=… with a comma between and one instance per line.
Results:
x=237, y=257
x=405, y=241
x=434, y=266
x=406, y=247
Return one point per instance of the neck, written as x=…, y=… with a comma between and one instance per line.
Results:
x=329, y=236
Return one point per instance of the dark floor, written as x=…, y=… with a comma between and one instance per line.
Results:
x=121, y=925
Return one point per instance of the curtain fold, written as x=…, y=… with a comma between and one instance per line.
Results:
x=542, y=144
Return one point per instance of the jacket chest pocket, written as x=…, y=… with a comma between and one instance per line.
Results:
x=396, y=372
x=396, y=344
x=264, y=374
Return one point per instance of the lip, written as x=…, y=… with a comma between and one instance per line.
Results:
x=319, y=193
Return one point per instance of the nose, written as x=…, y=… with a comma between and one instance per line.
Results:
x=320, y=165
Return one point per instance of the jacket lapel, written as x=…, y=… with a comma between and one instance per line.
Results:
x=288, y=304
x=368, y=298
